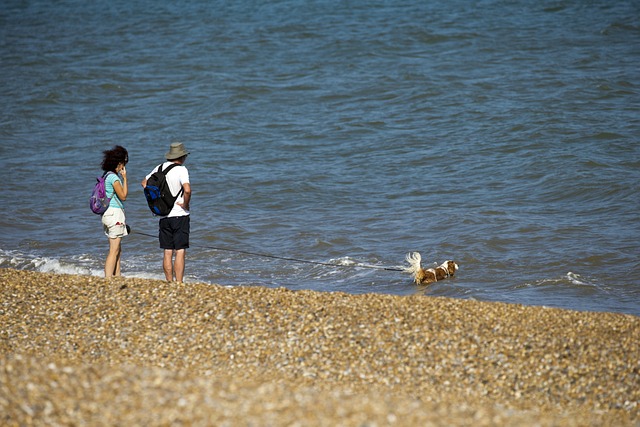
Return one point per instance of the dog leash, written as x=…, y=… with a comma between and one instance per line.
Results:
x=327, y=264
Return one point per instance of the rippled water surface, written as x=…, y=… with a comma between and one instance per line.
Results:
x=501, y=134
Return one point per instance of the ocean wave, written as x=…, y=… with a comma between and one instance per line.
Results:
x=23, y=261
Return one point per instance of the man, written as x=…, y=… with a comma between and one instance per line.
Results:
x=174, y=228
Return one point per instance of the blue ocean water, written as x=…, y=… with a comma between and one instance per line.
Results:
x=502, y=134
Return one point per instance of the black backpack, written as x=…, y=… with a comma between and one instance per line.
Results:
x=157, y=192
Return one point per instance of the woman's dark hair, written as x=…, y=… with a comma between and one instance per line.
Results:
x=112, y=158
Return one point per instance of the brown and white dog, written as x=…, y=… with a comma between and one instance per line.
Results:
x=423, y=276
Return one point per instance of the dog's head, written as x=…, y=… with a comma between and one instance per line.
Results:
x=451, y=267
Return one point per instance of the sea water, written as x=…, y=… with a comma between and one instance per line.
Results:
x=501, y=134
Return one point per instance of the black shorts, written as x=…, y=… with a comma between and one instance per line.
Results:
x=174, y=232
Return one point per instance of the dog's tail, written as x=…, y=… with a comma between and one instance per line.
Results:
x=414, y=259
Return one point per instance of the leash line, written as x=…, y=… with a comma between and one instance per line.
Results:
x=328, y=264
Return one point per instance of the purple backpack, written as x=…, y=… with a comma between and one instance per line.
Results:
x=99, y=202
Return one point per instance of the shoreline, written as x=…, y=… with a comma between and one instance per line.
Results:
x=83, y=349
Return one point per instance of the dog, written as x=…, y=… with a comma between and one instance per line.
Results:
x=423, y=276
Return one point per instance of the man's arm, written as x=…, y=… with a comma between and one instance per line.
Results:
x=186, y=195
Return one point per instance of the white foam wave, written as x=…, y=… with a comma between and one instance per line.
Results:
x=84, y=265
x=569, y=278
x=21, y=261
x=343, y=261
x=50, y=265
x=576, y=279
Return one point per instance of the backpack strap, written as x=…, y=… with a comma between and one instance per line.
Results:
x=166, y=171
x=113, y=194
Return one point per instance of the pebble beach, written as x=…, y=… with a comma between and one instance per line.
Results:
x=83, y=350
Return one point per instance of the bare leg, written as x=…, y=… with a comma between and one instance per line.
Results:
x=112, y=263
x=117, y=270
x=178, y=265
x=167, y=264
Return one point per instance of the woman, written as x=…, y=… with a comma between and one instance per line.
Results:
x=113, y=220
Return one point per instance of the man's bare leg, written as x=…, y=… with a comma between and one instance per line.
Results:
x=167, y=264
x=178, y=265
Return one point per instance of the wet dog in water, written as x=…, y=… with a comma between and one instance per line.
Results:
x=423, y=276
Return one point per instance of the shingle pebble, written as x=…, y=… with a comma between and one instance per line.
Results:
x=82, y=350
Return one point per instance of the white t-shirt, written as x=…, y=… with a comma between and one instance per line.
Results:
x=176, y=178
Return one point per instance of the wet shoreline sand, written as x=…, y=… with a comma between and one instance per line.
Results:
x=83, y=350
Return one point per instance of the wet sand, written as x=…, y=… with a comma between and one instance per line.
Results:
x=81, y=350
